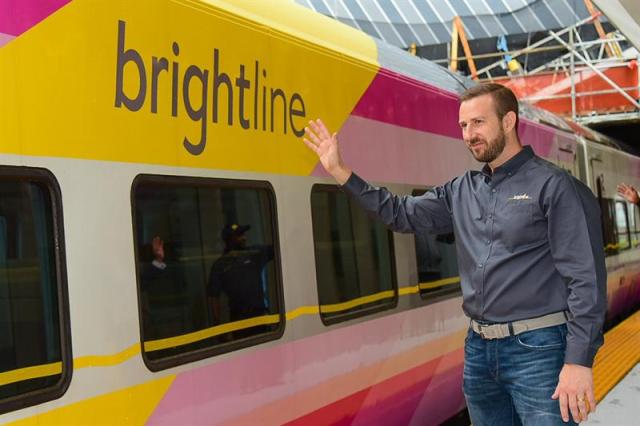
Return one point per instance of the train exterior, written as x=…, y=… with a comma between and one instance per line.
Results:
x=151, y=134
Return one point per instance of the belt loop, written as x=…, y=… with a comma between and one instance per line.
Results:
x=511, y=333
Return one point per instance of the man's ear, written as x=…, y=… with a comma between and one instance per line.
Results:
x=509, y=121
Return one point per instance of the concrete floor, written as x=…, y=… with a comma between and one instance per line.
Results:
x=621, y=406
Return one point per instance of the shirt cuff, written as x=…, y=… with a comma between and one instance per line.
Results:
x=579, y=354
x=354, y=185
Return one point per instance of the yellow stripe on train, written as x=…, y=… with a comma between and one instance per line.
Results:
x=28, y=373
x=185, y=339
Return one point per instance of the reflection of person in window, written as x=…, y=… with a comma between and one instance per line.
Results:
x=162, y=295
x=240, y=273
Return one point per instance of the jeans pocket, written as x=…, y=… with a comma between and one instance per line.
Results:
x=542, y=339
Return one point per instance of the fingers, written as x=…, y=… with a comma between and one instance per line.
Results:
x=592, y=400
x=623, y=188
x=573, y=407
x=583, y=409
x=320, y=128
x=316, y=134
x=311, y=145
x=311, y=136
x=564, y=407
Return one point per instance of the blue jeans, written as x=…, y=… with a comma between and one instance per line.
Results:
x=510, y=381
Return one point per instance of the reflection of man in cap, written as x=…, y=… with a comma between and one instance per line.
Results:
x=234, y=237
x=240, y=273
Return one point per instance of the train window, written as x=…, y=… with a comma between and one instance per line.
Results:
x=634, y=224
x=208, y=267
x=608, y=226
x=354, y=258
x=437, y=263
x=35, y=356
x=622, y=226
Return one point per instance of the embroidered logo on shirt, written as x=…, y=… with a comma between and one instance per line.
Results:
x=520, y=197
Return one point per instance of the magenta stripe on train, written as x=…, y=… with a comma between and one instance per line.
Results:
x=17, y=16
x=404, y=130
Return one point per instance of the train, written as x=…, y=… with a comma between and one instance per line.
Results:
x=172, y=253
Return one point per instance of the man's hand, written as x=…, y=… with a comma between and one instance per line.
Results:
x=325, y=145
x=629, y=193
x=157, y=248
x=575, y=392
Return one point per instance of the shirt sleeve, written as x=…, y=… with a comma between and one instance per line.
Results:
x=575, y=239
x=430, y=212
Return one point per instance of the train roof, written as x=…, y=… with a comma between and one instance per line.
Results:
x=424, y=70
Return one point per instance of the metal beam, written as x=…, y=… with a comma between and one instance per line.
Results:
x=536, y=44
x=596, y=70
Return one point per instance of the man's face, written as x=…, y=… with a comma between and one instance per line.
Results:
x=482, y=130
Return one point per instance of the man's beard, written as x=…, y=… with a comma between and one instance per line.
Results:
x=493, y=148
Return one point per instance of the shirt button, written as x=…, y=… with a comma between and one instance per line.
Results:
x=488, y=241
x=493, y=190
x=479, y=265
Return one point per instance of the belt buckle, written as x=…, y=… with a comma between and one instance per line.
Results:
x=483, y=329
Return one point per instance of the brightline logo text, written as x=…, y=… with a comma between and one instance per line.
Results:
x=266, y=103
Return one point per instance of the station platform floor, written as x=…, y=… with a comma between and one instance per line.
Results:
x=621, y=406
x=616, y=374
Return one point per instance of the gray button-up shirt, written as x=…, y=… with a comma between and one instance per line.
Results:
x=528, y=239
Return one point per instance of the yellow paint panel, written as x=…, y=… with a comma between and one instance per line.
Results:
x=131, y=406
x=297, y=21
x=65, y=81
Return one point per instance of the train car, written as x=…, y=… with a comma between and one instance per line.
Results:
x=170, y=251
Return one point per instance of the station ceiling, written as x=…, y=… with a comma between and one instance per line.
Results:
x=428, y=22
x=625, y=15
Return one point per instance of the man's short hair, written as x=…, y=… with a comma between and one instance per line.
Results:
x=503, y=98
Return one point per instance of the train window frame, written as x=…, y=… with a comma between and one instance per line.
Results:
x=447, y=291
x=625, y=210
x=48, y=181
x=635, y=233
x=179, y=181
x=388, y=304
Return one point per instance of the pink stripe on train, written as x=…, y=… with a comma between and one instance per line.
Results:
x=314, y=371
x=404, y=130
x=5, y=38
x=17, y=16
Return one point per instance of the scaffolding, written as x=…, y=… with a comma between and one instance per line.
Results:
x=592, y=82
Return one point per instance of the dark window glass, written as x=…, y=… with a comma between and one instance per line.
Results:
x=622, y=228
x=608, y=214
x=354, y=257
x=607, y=207
x=33, y=362
x=207, y=266
x=634, y=224
x=437, y=262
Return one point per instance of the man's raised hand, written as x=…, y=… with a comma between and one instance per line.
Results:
x=325, y=145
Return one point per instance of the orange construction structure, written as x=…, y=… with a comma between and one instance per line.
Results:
x=593, y=95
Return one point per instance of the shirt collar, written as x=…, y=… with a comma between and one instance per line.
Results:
x=513, y=164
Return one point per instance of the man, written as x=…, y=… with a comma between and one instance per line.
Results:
x=531, y=261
